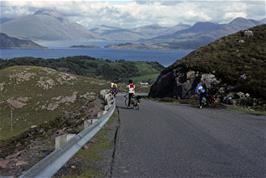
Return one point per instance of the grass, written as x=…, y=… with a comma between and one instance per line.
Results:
x=146, y=68
x=248, y=110
x=88, y=158
x=194, y=102
x=148, y=77
x=35, y=111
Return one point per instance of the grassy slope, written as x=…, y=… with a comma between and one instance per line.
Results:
x=94, y=161
x=33, y=113
x=148, y=77
x=229, y=58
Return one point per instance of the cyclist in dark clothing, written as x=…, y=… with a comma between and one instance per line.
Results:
x=201, y=90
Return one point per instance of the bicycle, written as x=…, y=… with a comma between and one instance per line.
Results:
x=135, y=100
x=208, y=100
x=114, y=91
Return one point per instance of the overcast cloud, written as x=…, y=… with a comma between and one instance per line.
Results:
x=125, y=13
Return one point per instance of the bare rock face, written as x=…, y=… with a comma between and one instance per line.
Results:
x=17, y=103
x=57, y=101
x=22, y=76
x=181, y=82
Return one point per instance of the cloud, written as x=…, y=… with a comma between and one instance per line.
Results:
x=128, y=13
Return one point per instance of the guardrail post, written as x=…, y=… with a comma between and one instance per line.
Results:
x=63, y=139
x=89, y=122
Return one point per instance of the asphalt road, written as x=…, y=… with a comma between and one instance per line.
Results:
x=166, y=140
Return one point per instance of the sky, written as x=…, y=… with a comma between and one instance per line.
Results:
x=133, y=13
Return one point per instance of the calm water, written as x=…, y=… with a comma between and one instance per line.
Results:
x=165, y=57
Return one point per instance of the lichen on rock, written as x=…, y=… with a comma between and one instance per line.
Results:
x=22, y=76
x=17, y=103
x=59, y=100
x=2, y=86
x=46, y=83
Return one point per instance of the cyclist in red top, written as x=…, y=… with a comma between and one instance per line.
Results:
x=131, y=91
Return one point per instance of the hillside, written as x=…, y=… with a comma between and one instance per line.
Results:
x=39, y=94
x=36, y=105
x=83, y=65
x=11, y=42
x=229, y=65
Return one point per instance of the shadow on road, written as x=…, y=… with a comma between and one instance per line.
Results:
x=124, y=107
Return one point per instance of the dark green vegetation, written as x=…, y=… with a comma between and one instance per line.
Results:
x=229, y=59
x=120, y=70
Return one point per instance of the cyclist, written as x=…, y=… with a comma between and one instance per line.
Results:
x=201, y=90
x=114, y=88
x=131, y=91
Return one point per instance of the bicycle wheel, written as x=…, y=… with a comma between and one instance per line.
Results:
x=136, y=106
x=126, y=101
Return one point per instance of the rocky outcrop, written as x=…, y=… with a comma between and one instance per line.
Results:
x=233, y=71
x=181, y=82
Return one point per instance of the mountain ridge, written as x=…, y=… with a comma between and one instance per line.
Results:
x=12, y=42
x=45, y=25
x=199, y=34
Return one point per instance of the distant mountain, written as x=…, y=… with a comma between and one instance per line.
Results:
x=201, y=33
x=11, y=42
x=110, y=33
x=4, y=19
x=175, y=29
x=122, y=35
x=263, y=21
x=101, y=29
x=135, y=34
x=150, y=31
x=84, y=46
x=201, y=27
x=45, y=25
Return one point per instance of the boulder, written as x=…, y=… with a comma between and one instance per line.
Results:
x=181, y=83
x=4, y=164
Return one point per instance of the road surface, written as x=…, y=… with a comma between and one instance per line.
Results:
x=166, y=140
